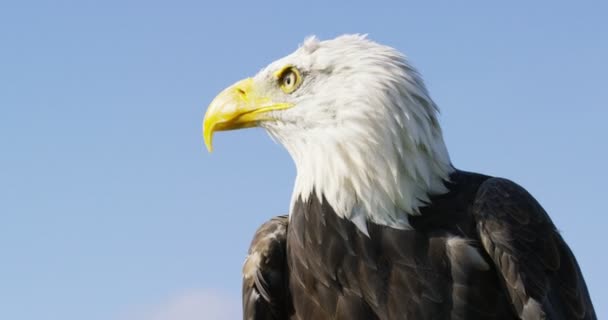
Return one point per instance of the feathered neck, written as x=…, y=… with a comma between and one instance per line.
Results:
x=365, y=181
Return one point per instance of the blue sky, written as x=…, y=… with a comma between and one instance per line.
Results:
x=110, y=208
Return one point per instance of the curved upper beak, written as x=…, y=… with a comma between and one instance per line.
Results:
x=236, y=107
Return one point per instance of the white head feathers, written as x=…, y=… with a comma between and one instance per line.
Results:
x=363, y=133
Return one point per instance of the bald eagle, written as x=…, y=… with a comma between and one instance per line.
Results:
x=381, y=224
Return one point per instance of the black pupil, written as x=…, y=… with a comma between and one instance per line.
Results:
x=288, y=79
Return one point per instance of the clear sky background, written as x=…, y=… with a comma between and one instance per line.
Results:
x=111, y=209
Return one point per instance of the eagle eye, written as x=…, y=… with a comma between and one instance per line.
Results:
x=289, y=79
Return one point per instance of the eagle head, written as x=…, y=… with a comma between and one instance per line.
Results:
x=357, y=120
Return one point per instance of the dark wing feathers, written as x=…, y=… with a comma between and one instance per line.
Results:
x=265, y=294
x=539, y=271
x=520, y=266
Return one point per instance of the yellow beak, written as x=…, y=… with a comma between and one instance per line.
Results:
x=238, y=106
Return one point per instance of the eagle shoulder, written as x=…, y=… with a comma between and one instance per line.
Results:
x=538, y=269
x=264, y=272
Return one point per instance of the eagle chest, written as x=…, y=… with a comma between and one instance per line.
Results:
x=338, y=272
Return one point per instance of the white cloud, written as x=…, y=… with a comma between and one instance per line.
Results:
x=191, y=305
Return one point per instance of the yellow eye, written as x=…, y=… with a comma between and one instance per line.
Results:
x=289, y=79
